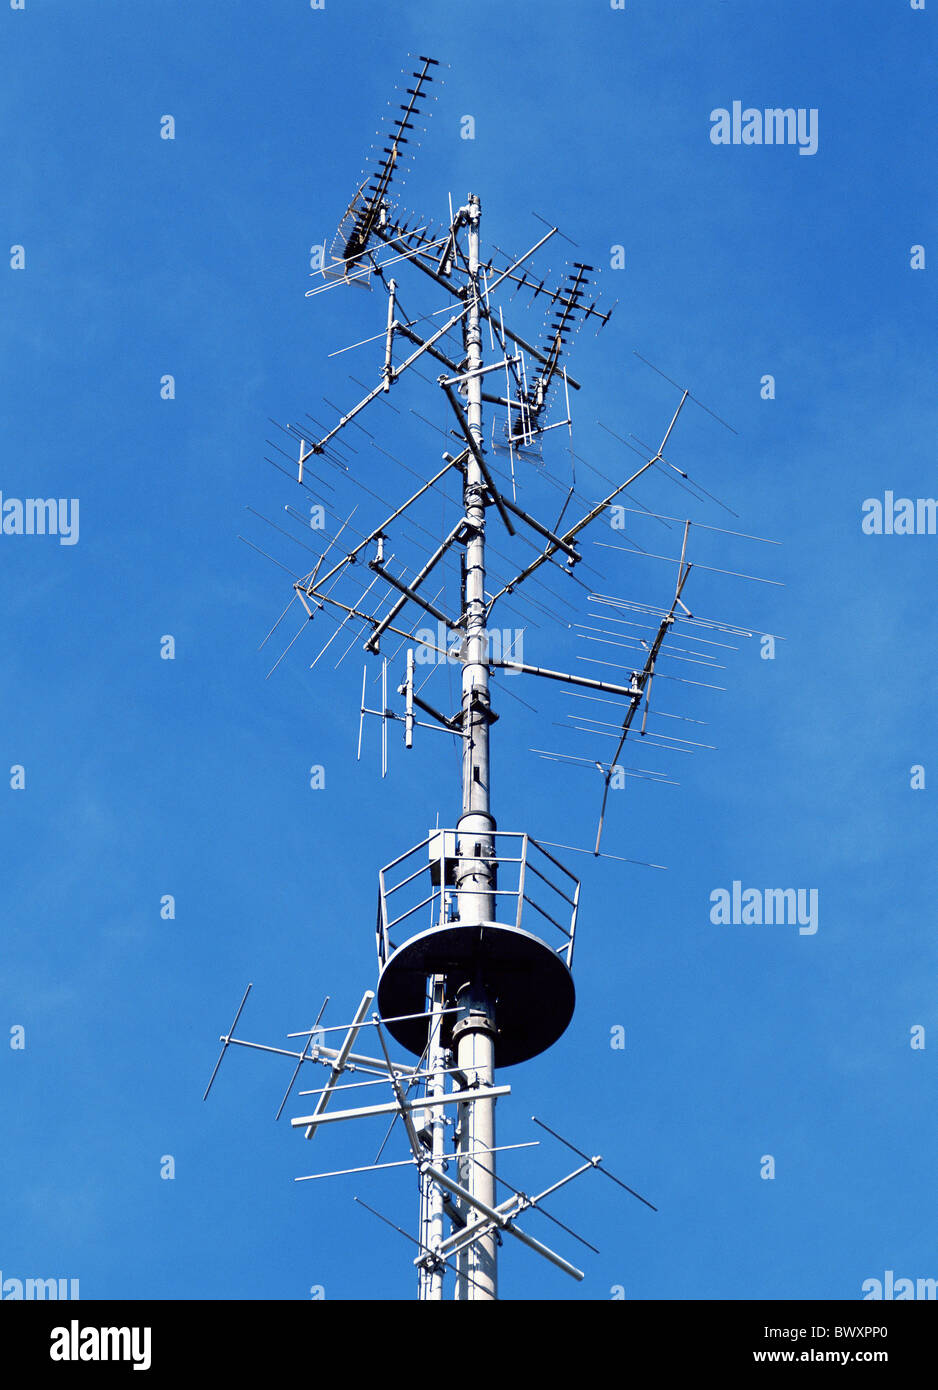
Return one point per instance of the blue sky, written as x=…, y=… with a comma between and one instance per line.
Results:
x=190, y=777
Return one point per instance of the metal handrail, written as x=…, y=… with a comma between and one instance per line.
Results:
x=545, y=879
x=447, y=893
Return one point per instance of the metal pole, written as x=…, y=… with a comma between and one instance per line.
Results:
x=474, y=1033
x=475, y=1055
x=388, y=368
x=474, y=875
x=431, y=1194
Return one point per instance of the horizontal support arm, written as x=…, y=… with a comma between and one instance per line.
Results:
x=633, y=691
x=421, y=1103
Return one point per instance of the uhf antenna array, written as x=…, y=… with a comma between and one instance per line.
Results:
x=468, y=983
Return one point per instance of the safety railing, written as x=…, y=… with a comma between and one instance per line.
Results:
x=420, y=889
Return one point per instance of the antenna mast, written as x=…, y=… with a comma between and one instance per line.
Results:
x=476, y=989
x=475, y=1030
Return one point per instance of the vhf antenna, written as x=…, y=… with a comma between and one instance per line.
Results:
x=467, y=982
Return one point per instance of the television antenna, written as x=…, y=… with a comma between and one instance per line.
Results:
x=476, y=925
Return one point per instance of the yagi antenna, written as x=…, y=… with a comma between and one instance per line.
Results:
x=476, y=924
x=369, y=207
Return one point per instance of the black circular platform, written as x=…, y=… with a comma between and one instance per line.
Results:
x=532, y=987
